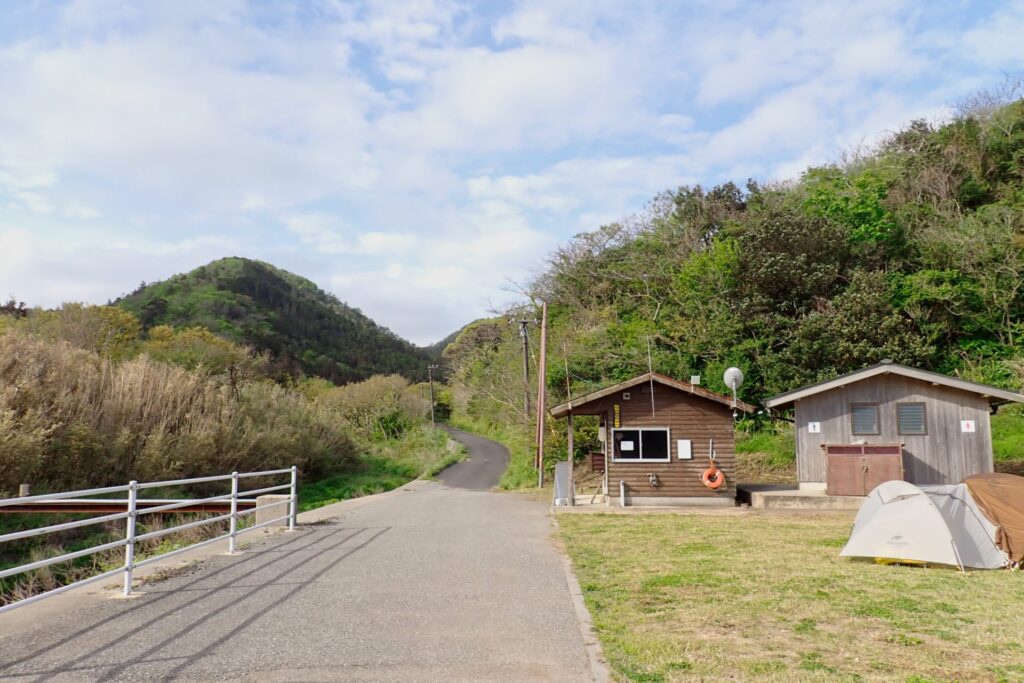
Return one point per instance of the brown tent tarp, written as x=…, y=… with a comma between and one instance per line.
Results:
x=1001, y=498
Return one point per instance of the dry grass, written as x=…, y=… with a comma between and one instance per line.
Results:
x=766, y=597
x=70, y=419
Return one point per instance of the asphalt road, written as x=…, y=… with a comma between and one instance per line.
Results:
x=448, y=582
x=482, y=470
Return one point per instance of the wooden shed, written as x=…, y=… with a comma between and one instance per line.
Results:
x=657, y=437
x=887, y=420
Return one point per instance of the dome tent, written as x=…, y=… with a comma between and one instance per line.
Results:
x=930, y=524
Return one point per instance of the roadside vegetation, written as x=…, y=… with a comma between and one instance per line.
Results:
x=912, y=251
x=766, y=597
x=87, y=399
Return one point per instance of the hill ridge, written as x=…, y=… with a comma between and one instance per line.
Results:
x=302, y=327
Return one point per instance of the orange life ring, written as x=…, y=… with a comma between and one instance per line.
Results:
x=713, y=477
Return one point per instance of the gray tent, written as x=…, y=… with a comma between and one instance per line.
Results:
x=928, y=524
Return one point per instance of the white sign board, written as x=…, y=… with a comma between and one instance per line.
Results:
x=968, y=426
x=684, y=449
x=814, y=428
x=626, y=446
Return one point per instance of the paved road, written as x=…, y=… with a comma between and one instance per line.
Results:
x=438, y=584
x=484, y=467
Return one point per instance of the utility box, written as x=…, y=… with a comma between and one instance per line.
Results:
x=856, y=469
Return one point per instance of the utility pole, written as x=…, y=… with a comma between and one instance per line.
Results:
x=430, y=378
x=542, y=377
x=524, y=333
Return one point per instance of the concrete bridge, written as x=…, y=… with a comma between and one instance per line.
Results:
x=436, y=581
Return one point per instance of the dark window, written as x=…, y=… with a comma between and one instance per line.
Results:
x=640, y=444
x=654, y=444
x=864, y=418
x=910, y=418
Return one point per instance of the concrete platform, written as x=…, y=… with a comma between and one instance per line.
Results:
x=784, y=496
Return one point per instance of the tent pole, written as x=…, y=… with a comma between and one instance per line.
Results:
x=957, y=554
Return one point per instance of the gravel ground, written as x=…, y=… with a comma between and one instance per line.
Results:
x=447, y=582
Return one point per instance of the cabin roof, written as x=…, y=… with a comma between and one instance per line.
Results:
x=995, y=395
x=575, y=404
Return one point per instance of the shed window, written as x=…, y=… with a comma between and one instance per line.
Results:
x=864, y=418
x=910, y=418
x=641, y=444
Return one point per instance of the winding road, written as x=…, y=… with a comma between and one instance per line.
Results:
x=438, y=581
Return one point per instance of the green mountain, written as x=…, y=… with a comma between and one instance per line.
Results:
x=303, y=328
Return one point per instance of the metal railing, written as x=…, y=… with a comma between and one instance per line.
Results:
x=133, y=512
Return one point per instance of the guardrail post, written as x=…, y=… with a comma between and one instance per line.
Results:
x=293, y=505
x=234, y=513
x=129, y=550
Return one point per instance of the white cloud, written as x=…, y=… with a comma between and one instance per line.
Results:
x=414, y=155
x=322, y=232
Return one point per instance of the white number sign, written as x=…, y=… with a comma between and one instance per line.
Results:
x=967, y=426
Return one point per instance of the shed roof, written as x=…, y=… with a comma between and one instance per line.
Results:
x=995, y=395
x=575, y=404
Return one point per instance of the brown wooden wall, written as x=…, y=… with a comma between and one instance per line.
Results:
x=686, y=416
x=944, y=455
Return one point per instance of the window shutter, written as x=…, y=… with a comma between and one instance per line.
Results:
x=865, y=419
x=910, y=417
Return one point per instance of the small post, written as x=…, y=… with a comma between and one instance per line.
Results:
x=293, y=505
x=24, y=490
x=129, y=550
x=234, y=513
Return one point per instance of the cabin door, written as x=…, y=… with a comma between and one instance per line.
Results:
x=855, y=470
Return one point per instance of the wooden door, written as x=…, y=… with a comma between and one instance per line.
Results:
x=882, y=467
x=854, y=470
x=844, y=474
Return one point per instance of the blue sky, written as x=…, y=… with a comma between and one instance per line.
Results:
x=418, y=158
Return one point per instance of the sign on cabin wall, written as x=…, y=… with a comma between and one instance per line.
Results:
x=684, y=449
x=968, y=426
x=616, y=416
x=814, y=428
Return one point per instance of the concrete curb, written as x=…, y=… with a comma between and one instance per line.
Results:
x=599, y=670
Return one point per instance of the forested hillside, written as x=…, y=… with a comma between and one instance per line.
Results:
x=303, y=328
x=914, y=252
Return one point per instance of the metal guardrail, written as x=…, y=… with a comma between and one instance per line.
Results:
x=134, y=511
x=96, y=506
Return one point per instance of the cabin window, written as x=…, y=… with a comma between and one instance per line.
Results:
x=864, y=418
x=910, y=418
x=640, y=444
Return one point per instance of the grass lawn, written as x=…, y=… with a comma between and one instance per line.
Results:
x=764, y=596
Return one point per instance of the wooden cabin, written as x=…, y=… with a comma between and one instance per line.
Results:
x=890, y=421
x=657, y=450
